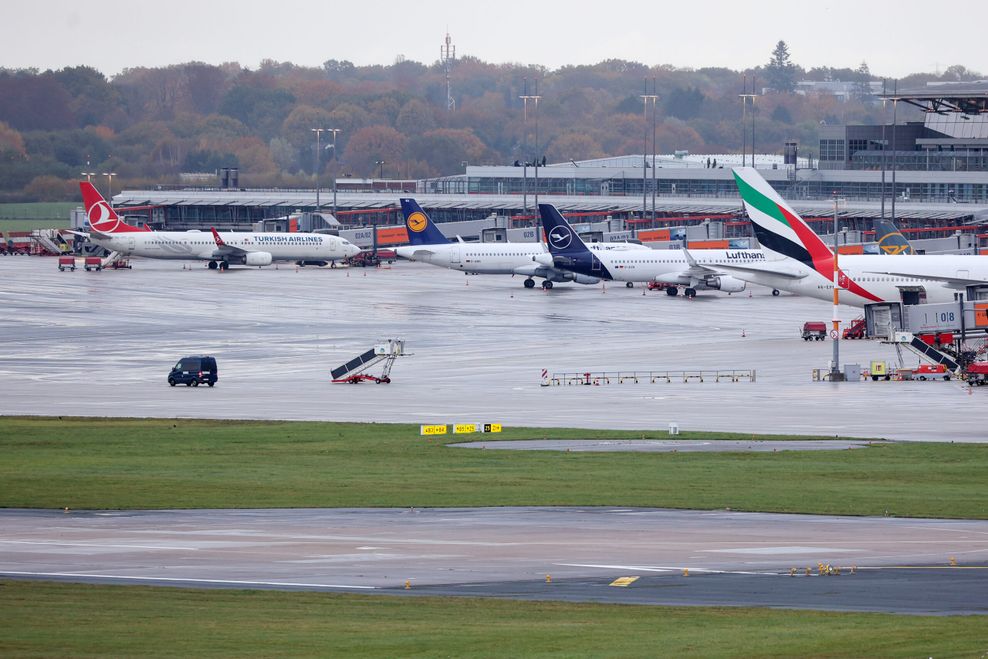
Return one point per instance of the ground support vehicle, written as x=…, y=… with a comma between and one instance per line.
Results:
x=814, y=331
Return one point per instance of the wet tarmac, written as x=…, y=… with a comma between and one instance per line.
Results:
x=101, y=344
x=671, y=557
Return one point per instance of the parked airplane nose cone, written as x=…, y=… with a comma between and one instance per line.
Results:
x=352, y=250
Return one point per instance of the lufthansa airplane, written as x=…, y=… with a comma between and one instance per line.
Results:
x=428, y=244
x=220, y=250
x=700, y=270
x=803, y=264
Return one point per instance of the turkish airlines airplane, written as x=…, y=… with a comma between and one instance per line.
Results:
x=699, y=270
x=428, y=244
x=803, y=264
x=220, y=250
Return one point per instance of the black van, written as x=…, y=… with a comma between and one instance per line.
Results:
x=191, y=371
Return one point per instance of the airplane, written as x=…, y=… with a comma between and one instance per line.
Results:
x=890, y=240
x=803, y=264
x=428, y=245
x=673, y=267
x=109, y=231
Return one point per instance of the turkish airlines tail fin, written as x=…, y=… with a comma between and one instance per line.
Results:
x=101, y=215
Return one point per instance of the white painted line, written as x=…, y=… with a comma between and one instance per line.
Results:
x=780, y=550
x=83, y=544
x=662, y=568
x=87, y=575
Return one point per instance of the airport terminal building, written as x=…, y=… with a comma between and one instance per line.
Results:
x=931, y=177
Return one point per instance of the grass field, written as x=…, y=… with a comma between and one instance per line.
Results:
x=23, y=217
x=47, y=619
x=140, y=463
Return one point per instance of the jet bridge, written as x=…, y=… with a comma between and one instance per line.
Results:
x=356, y=370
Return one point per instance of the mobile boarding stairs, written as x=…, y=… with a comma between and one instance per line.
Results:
x=355, y=370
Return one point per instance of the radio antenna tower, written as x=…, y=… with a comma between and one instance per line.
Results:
x=447, y=55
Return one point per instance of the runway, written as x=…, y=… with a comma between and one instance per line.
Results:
x=718, y=558
x=101, y=344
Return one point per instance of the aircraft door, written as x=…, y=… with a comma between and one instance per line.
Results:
x=454, y=255
x=131, y=244
x=594, y=264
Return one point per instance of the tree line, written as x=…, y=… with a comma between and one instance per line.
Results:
x=151, y=124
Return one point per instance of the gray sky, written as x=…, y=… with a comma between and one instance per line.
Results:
x=112, y=35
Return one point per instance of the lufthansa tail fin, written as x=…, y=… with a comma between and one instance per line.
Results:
x=421, y=230
x=102, y=217
x=890, y=240
x=560, y=236
x=777, y=226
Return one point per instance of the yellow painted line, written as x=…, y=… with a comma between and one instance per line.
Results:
x=624, y=582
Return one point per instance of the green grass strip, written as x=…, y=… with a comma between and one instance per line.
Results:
x=48, y=619
x=159, y=463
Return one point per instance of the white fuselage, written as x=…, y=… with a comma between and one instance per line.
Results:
x=670, y=266
x=200, y=245
x=497, y=258
x=880, y=278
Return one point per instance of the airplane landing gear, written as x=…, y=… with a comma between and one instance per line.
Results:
x=224, y=265
x=212, y=265
x=672, y=291
x=775, y=292
x=690, y=292
x=529, y=283
x=547, y=284
x=630, y=284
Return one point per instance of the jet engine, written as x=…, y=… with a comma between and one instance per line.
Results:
x=258, y=258
x=726, y=284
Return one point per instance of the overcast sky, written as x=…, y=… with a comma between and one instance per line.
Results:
x=894, y=38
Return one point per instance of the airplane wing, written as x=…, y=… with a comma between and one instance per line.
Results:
x=420, y=252
x=80, y=233
x=959, y=283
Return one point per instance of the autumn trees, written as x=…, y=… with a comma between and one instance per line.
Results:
x=150, y=124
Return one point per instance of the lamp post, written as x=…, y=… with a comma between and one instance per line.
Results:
x=646, y=99
x=380, y=164
x=318, y=132
x=89, y=176
x=109, y=186
x=526, y=97
x=334, y=131
x=744, y=108
x=835, y=374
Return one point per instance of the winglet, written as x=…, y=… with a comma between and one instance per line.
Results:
x=689, y=258
x=216, y=237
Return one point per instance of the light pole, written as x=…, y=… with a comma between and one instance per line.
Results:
x=334, y=131
x=380, y=163
x=526, y=97
x=109, y=186
x=835, y=374
x=744, y=132
x=89, y=176
x=318, y=132
x=646, y=98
